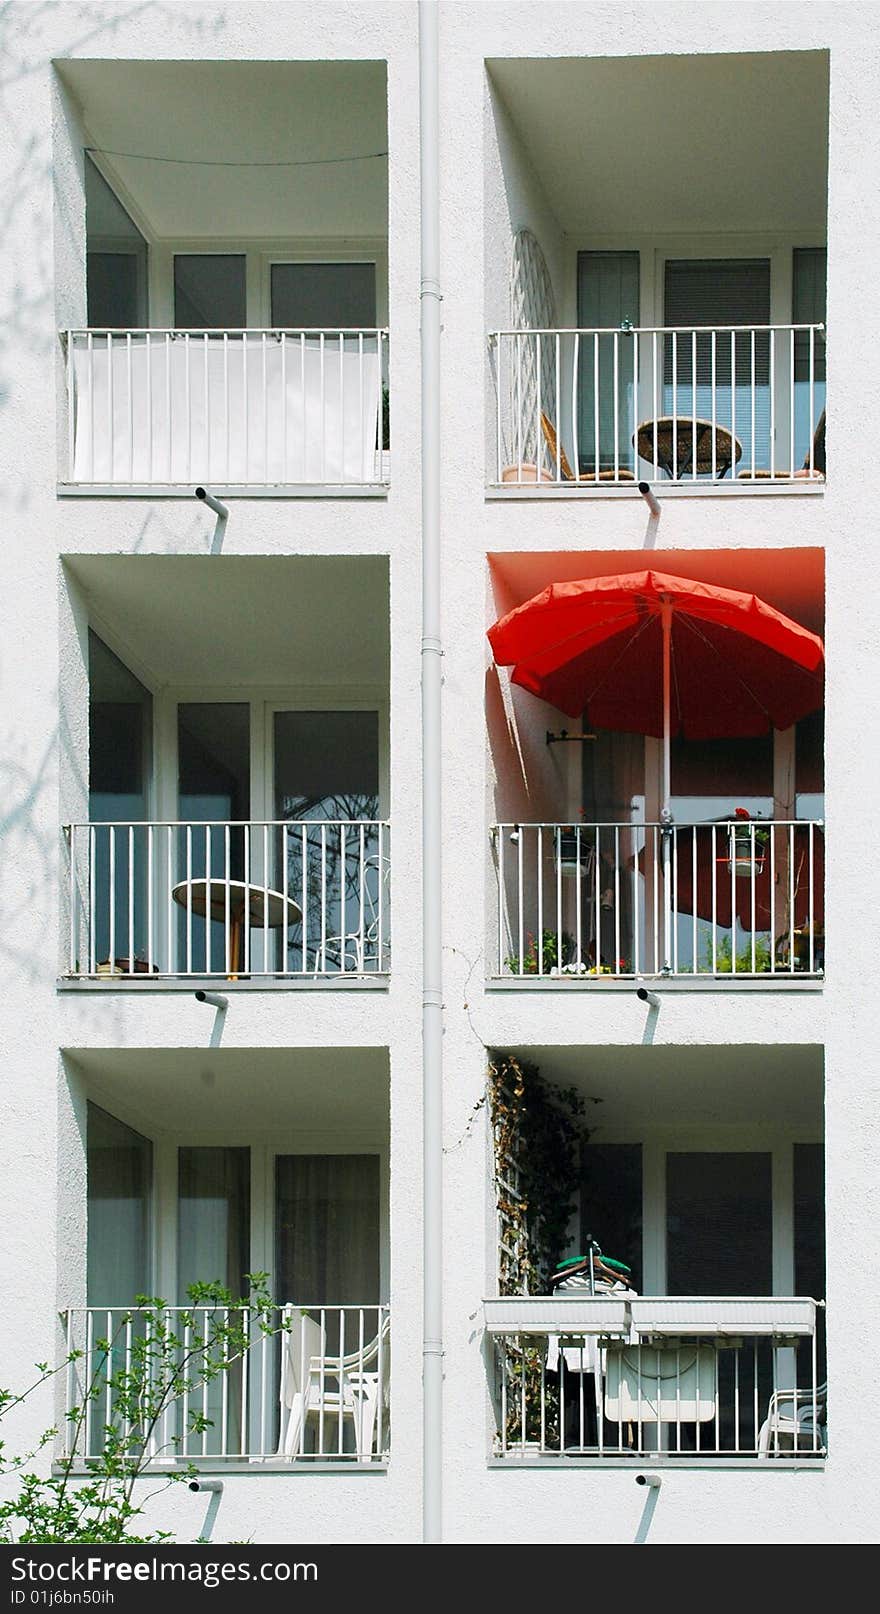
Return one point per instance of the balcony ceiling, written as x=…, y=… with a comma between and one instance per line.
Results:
x=792, y=580
x=227, y=112
x=314, y=1091
x=676, y=143
x=232, y=621
x=762, y=1085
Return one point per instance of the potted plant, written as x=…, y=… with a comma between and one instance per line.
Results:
x=749, y=840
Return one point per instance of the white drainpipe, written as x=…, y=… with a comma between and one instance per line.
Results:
x=432, y=956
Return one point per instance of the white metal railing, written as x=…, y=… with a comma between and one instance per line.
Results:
x=700, y=404
x=306, y=897
x=733, y=898
x=286, y=1384
x=232, y=408
x=673, y=1378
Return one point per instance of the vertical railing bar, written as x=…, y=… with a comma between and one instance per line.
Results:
x=502, y=833
x=207, y=373
x=754, y=388
x=539, y=876
x=596, y=454
x=302, y=384
x=111, y=407
x=231, y=962
x=304, y=871
x=343, y=875
x=130, y=411
x=791, y=400
x=189, y=909
x=812, y=414
x=575, y=435
x=732, y=390
x=265, y=899
x=112, y=896
x=74, y=905
x=284, y=460
x=208, y=921
x=168, y=429
x=72, y=409
x=90, y=368
x=362, y=938
x=772, y=403
x=187, y=1331
x=655, y=402
x=265, y=385
x=322, y=361
x=131, y=899
x=226, y=404
x=244, y=940
x=615, y=400
x=324, y=894
x=518, y=407
x=712, y=346
x=187, y=393
x=519, y=905
x=694, y=453
x=675, y=405
x=150, y=915
x=245, y=406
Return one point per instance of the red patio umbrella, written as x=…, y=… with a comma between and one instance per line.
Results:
x=653, y=653
x=787, y=889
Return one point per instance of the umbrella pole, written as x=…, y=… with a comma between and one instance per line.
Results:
x=666, y=810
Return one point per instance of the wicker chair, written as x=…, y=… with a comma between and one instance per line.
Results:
x=559, y=457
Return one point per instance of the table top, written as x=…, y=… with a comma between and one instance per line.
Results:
x=675, y=439
x=210, y=896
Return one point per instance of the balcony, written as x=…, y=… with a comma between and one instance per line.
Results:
x=720, y=902
x=309, y=1386
x=236, y=409
x=284, y=900
x=597, y=409
x=676, y=1379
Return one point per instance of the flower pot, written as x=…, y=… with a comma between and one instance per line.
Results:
x=747, y=855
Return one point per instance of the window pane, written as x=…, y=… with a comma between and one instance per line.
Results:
x=327, y=764
x=608, y=296
x=213, y=1218
x=323, y=296
x=808, y=308
x=120, y=1171
x=209, y=291
x=214, y=784
x=116, y=258
x=719, y=1230
x=327, y=1234
x=720, y=292
x=611, y=1202
x=120, y=752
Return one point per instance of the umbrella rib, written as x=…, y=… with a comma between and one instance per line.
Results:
x=624, y=651
x=692, y=624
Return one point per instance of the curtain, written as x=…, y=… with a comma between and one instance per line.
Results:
x=120, y=1170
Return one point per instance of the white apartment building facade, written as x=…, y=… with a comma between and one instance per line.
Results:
x=655, y=228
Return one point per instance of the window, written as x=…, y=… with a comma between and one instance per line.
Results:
x=808, y=308
x=213, y=1218
x=720, y=293
x=323, y=296
x=119, y=1181
x=116, y=259
x=607, y=298
x=209, y=291
x=120, y=765
x=719, y=1227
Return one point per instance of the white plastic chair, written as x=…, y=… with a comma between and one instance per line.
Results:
x=365, y=948
x=797, y=1418
x=327, y=1387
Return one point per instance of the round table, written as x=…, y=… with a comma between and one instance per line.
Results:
x=219, y=898
x=675, y=441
